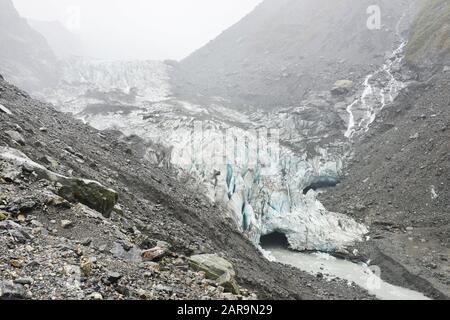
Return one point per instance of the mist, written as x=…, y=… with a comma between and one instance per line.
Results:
x=140, y=29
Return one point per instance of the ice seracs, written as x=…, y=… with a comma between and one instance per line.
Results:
x=257, y=165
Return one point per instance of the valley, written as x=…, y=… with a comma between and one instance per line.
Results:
x=295, y=156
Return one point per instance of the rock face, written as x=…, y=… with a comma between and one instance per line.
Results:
x=25, y=59
x=216, y=268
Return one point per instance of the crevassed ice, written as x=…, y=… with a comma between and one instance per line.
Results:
x=262, y=196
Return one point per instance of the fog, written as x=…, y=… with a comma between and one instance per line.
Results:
x=140, y=29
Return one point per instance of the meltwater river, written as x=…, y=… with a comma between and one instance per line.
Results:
x=331, y=267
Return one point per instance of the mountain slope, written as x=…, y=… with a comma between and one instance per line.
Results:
x=25, y=57
x=430, y=35
x=284, y=49
x=63, y=42
x=399, y=177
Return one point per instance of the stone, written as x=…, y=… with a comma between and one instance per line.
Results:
x=342, y=87
x=66, y=224
x=11, y=290
x=447, y=69
x=16, y=137
x=47, y=160
x=163, y=245
x=86, y=266
x=118, y=209
x=16, y=263
x=154, y=254
x=3, y=215
x=91, y=194
x=86, y=242
x=228, y=282
x=15, y=230
x=52, y=199
x=216, y=268
x=5, y=109
x=95, y=296
x=113, y=277
x=432, y=265
x=24, y=281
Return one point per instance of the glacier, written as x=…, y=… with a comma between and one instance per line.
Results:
x=257, y=165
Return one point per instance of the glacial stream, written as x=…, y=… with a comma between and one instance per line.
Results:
x=331, y=267
x=376, y=94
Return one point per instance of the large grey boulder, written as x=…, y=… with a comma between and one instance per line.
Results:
x=217, y=269
x=88, y=192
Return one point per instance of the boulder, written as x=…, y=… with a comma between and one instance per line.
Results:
x=11, y=291
x=217, y=269
x=66, y=224
x=154, y=254
x=342, y=87
x=16, y=137
x=88, y=192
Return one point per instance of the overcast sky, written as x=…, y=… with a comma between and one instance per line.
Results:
x=141, y=29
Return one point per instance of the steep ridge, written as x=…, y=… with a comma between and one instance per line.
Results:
x=25, y=57
x=398, y=177
x=45, y=235
x=284, y=49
